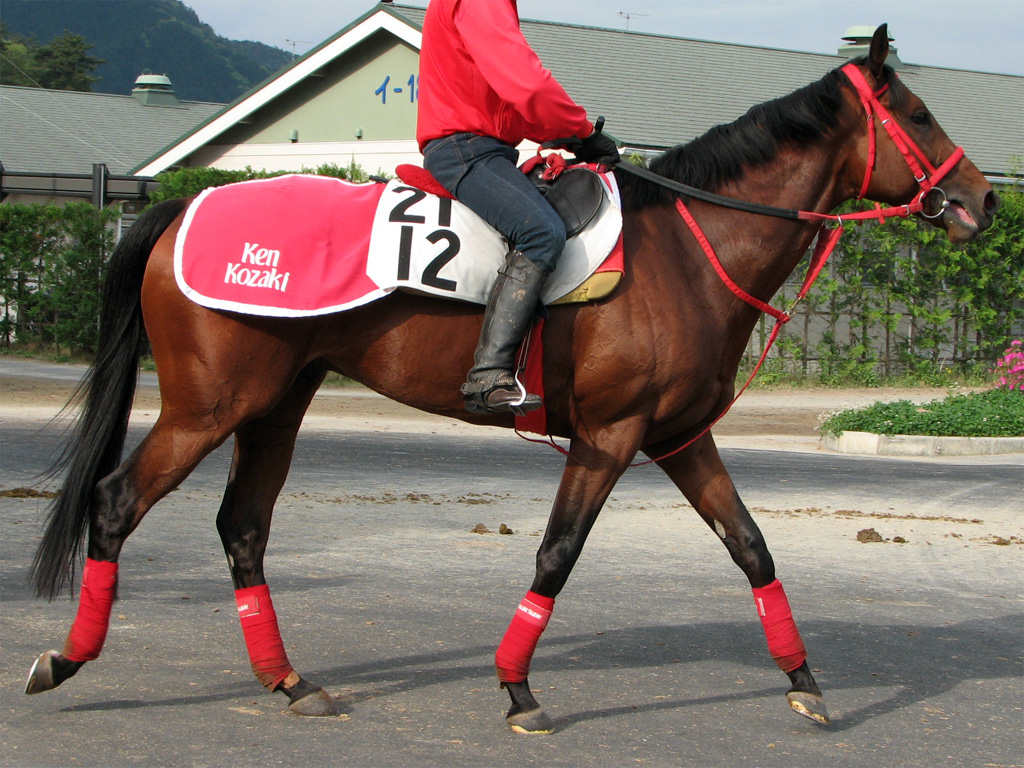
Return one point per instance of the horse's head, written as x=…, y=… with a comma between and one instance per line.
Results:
x=904, y=155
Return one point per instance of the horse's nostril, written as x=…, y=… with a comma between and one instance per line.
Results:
x=992, y=202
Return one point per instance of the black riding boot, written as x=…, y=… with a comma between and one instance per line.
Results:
x=491, y=385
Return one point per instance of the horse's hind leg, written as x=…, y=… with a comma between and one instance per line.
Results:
x=166, y=456
x=263, y=452
x=699, y=473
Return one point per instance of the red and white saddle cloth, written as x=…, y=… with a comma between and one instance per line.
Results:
x=297, y=246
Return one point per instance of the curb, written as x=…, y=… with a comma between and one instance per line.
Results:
x=868, y=443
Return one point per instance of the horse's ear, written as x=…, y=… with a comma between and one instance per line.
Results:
x=879, y=51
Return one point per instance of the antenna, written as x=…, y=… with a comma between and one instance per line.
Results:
x=627, y=16
x=293, y=43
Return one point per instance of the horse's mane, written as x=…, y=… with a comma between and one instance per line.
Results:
x=724, y=153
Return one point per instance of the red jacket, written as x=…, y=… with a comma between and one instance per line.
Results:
x=479, y=75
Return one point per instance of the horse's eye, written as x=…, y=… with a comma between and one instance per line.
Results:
x=920, y=118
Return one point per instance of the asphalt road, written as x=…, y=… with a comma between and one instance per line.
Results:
x=654, y=655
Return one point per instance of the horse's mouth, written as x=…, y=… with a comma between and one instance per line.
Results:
x=961, y=226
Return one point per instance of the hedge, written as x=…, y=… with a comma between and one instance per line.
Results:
x=52, y=264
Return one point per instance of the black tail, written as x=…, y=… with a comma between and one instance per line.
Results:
x=106, y=392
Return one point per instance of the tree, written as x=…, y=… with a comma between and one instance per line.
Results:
x=17, y=60
x=65, y=64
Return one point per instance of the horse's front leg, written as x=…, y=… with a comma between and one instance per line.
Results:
x=590, y=474
x=699, y=473
x=263, y=452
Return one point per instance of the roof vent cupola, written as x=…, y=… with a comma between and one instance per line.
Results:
x=154, y=91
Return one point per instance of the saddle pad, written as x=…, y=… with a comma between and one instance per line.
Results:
x=297, y=246
x=289, y=246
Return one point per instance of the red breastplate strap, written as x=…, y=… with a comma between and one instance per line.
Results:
x=916, y=160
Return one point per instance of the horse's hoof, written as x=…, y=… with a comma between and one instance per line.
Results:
x=40, y=677
x=50, y=670
x=809, y=705
x=534, y=721
x=316, y=704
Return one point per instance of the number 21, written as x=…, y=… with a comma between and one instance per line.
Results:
x=401, y=214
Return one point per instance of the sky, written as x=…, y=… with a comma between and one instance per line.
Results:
x=983, y=35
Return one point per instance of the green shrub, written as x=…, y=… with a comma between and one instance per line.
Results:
x=192, y=181
x=993, y=413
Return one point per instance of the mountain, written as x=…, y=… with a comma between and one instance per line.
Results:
x=163, y=37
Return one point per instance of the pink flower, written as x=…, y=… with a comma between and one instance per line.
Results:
x=1010, y=367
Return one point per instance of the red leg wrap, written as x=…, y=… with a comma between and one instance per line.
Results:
x=516, y=650
x=89, y=630
x=262, y=636
x=780, y=630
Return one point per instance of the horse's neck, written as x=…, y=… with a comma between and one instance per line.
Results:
x=760, y=252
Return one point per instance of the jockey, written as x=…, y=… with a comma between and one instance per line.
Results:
x=482, y=91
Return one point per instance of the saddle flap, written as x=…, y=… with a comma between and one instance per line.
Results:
x=576, y=195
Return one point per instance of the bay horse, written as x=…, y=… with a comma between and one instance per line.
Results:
x=646, y=369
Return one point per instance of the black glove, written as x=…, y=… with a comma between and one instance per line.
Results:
x=597, y=148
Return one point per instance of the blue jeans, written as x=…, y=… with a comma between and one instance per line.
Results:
x=481, y=172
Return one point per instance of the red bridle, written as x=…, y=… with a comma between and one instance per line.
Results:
x=926, y=174
x=912, y=154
